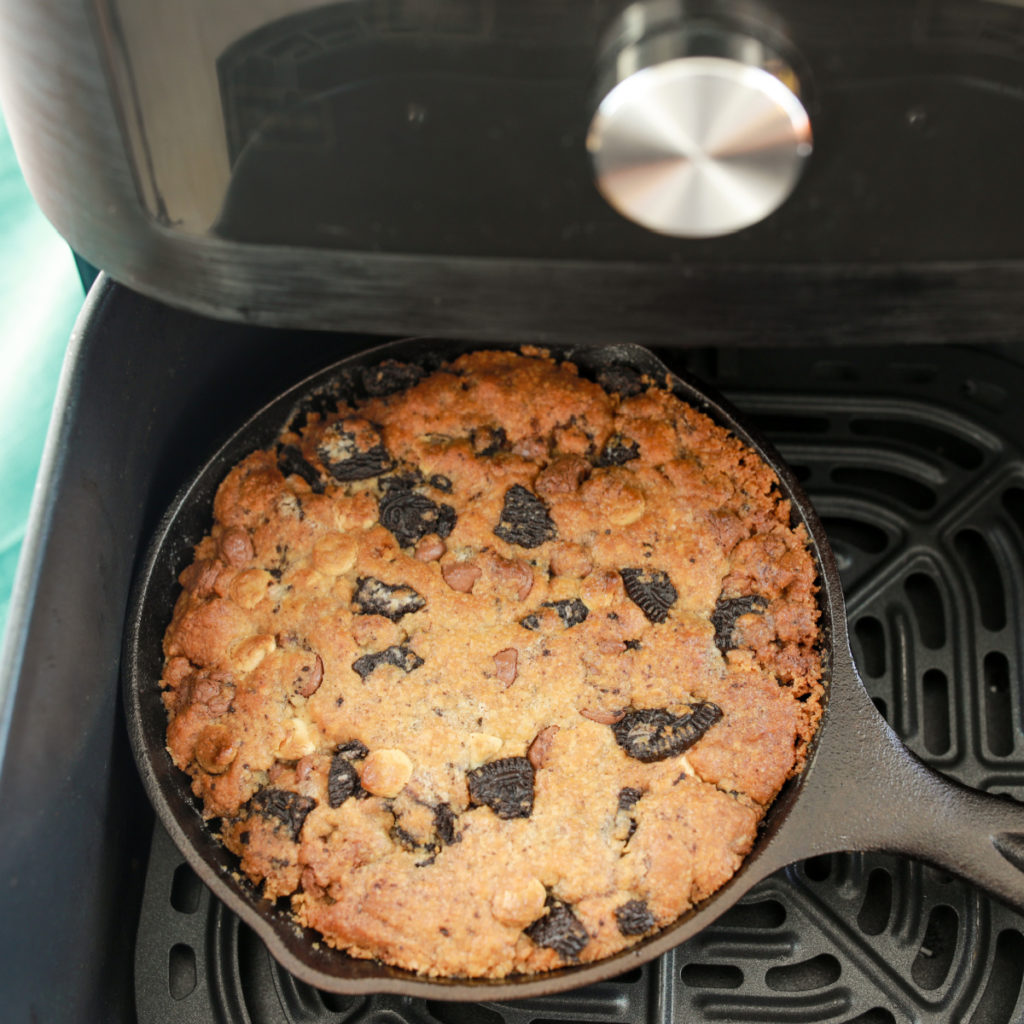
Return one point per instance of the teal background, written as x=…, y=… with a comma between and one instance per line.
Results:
x=40, y=296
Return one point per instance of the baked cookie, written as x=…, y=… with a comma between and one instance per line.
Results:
x=498, y=669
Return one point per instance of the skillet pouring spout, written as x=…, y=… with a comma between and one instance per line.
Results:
x=867, y=791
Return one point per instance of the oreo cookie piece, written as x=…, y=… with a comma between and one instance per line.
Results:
x=281, y=805
x=398, y=655
x=727, y=611
x=390, y=376
x=628, y=796
x=651, y=591
x=406, y=479
x=571, y=612
x=622, y=380
x=410, y=516
x=374, y=597
x=524, y=519
x=345, y=459
x=505, y=785
x=342, y=781
x=634, y=918
x=444, y=825
x=291, y=462
x=353, y=750
x=652, y=734
x=409, y=842
x=342, y=778
x=322, y=403
x=487, y=441
x=618, y=450
x=559, y=929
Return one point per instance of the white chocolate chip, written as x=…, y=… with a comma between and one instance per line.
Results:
x=385, y=772
x=249, y=653
x=250, y=587
x=335, y=553
x=481, y=747
x=519, y=905
x=628, y=509
x=297, y=742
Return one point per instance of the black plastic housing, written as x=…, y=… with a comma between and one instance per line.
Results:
x=408, y=167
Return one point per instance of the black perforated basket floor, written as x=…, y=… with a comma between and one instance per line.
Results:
x=915, y=460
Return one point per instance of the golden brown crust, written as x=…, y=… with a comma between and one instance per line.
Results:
x=422, y=665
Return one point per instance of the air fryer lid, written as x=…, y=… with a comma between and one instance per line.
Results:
x=861, y=788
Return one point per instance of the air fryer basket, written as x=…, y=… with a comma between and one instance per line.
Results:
x=860, y=790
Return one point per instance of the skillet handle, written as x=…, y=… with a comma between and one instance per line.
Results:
x=867, y=791
x=965, y=831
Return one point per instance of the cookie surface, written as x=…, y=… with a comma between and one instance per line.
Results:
x=498, y=670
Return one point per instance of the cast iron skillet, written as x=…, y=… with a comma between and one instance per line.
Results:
x=861, y=788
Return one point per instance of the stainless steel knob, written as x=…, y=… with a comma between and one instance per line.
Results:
x=699, y=132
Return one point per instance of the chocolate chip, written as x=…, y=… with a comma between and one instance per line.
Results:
x=559, y=929
x=236, y=547
x=390, y=376
x=540, y=748
x=460, y=576
x=398, y=655
x=440, y=483
x=628, y=797
x=374, y=597
x=505, y=662
x=353, y=750
x=429, y=548
x=290, y=809
x=530, y=622
x=291, y=462
x=623, y=380
x=410, y=516
x=322, y=403
x=727, y=611
x=505, y=785
x=216, y=748
x=601, y=716
x=652, y=734
x=571, y=612
x=200, y=577
x=345, y=460
x=524, y=519
x=650, y=590
x=634, y=918
x=618, y=450
x=511, y=574
x=310, y=679
x=633, y=645
x=444, y=825
x=562, y=476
